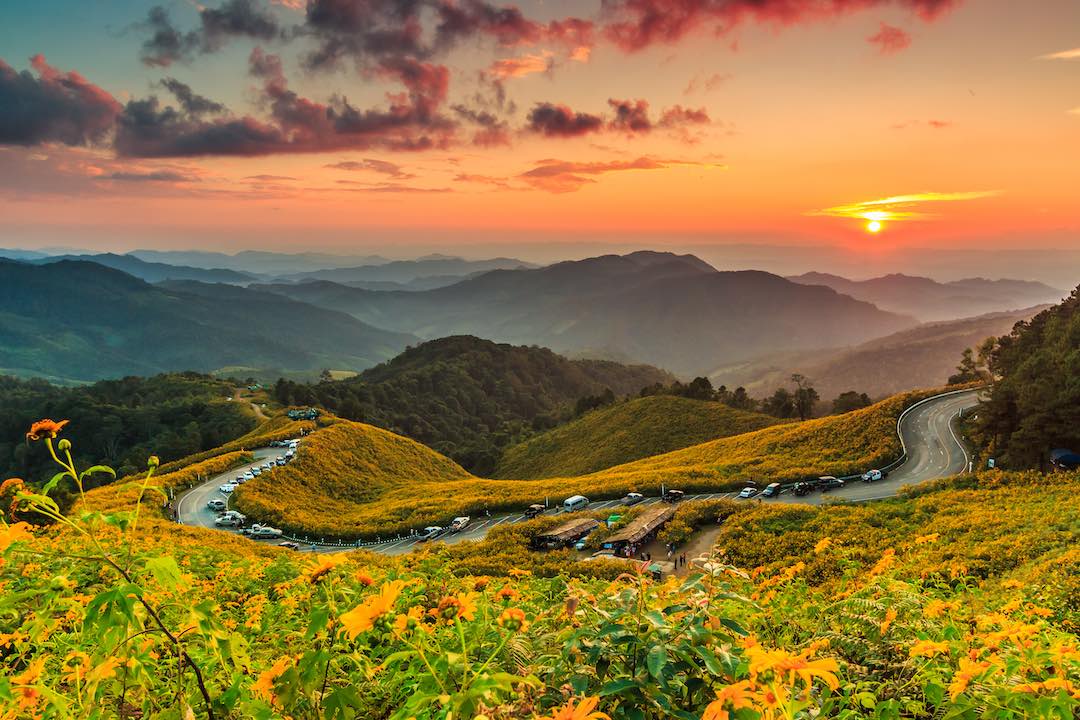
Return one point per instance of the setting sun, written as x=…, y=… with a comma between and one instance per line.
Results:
x=873, y=227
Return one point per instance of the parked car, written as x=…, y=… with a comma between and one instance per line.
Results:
x=216, y=504
x=673, y=496
x=227, y=488
x=256, y=471
x=802, y=488
x=281, y=460
x=289, y=455
x=580, y=544
x=235, y=514
x=771, y=490
x=534, y=510
x=264, y=531
x=830, y=483
x=266, y=465
x=289, y=544
x=227, y=521
x=430, y=533
x=249, y=475
x=239, y=480
x=748, y=492
x=872, y=476
x=459, y=524
x=632, y=498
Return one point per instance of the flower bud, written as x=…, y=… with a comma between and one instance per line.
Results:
x=153, y=462
x=64, y=445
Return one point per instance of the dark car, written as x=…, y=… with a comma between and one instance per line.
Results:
x=534, y=510
x=771, y=490
x=831, y=483
x=673, y=496
x=802, y=488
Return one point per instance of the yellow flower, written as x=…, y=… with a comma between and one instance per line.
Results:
x=937, y=608
x=13, y=533
x=927, y=648
x=925, y=539
x=462, y=606
x=890, y=615
x=507, y=593
x=1051, y=684
x=364, y=616
x=30, y=675
x=781, y=661
x=823, y=545
x=408, y=621
x=887, y=559
x=967, y=671
x=583, y=711
x=517, y=572
x=104, y=670
x=513, y=619
x=738, y=695
x=45, y=429
x=264, y=686
x=1012, y=584
x=328, y=563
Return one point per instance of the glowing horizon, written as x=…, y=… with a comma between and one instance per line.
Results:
x=241, y=119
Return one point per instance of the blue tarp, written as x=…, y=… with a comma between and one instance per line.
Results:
x=1065, y=458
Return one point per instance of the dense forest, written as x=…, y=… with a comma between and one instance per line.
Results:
x=119, y=422
x=1034, y=401
x=469, y=398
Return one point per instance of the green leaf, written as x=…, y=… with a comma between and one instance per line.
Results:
x=97, y=469
x=616, y=687
x=55, y=480
x=165, y=571
x=656, y=660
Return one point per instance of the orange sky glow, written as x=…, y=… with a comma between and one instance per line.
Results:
x=949, y=123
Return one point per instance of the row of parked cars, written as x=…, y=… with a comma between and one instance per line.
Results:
x=229, y=487
x=236, y=519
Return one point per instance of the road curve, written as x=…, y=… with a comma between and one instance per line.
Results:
x=926, y=431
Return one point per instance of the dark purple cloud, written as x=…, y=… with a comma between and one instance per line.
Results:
x=637, y=24
x=191, y=102
x=296, y=124
x=631, y=116
x=167, y=44
x=54, y=106
x=554, y=120
x=382, y=167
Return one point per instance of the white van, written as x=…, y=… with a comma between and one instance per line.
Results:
x=577, y=502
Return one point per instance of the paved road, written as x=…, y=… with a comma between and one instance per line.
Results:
x=192, y=510
x=926, y=430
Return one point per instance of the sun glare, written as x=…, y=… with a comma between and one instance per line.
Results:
x=873, y=227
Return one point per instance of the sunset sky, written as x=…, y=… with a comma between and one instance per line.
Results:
x=358, y=124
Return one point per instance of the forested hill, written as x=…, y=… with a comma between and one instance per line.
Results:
x=80, y=321
x=121, y=422
x=468, y=398
x=1034, y=405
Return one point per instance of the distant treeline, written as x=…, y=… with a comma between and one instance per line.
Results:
x=119, y=423
x=801, y=401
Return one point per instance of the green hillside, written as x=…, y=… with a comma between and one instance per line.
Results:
x=624, y=432
x=353, y=486
x=80, y=321
x=469, y=398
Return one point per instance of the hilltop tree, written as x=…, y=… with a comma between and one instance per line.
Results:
x=805, y=396
x=781, y=404
x=845, y=402
x=968, y=370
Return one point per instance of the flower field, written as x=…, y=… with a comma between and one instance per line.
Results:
x=906, y=608
x=355, y=481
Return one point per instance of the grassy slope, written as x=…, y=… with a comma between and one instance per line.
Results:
x=354, y=480
x=625, y=432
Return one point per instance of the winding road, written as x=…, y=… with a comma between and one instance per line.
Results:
x=933, y=450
